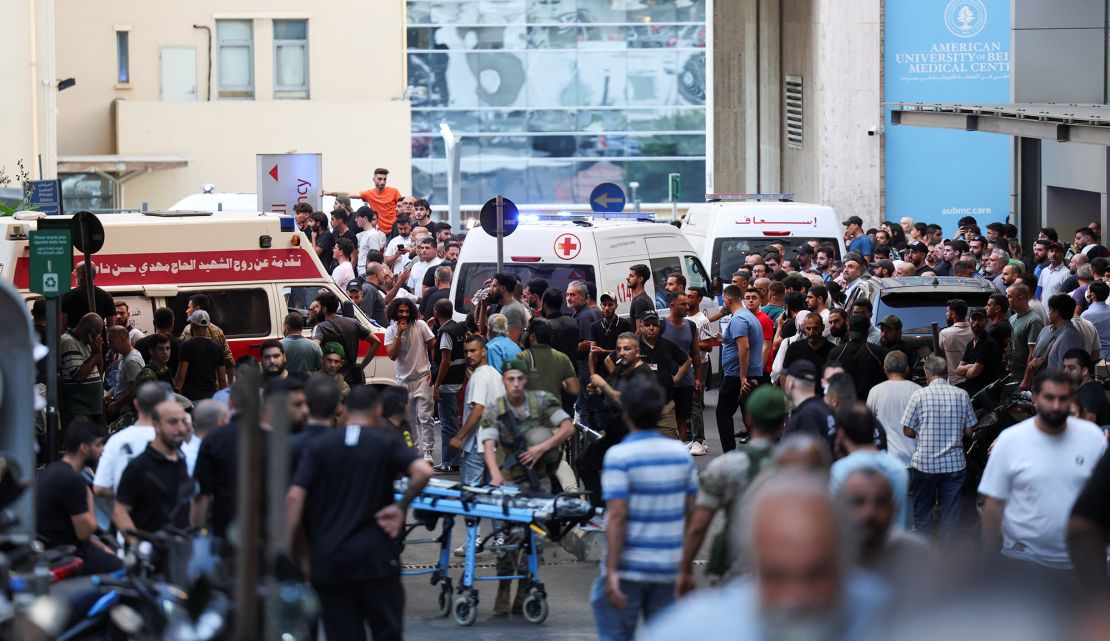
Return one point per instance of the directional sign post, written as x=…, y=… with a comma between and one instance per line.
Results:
x=283, y=180
x=45, y=196
x=607, y=198
x=51, y=263
x=674, y=192
x=499, y=219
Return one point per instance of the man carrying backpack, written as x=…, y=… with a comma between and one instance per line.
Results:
x=722, y=487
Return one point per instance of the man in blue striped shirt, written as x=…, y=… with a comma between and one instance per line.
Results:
x=649, y=483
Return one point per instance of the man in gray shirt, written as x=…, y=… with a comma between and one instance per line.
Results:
x=302, y=356
x=1057, y=337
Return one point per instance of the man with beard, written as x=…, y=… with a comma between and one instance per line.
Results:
x=862, y=360
x=801, y=587
x=1034, y=475
x=1056, y=339
x=856, y=429
x=155, y=489
x=273, y=359
x=981, y=363
x=605, y=331
x=1090, y=396
x=814, y=348
x=890, y=551
x=998, y=321
x=838, y=326
x=890, y=337
x=955, y=337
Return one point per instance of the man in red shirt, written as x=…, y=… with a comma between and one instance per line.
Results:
x=753, y=299
x=382, y=199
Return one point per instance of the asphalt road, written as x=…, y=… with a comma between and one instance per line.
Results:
x=567, y=581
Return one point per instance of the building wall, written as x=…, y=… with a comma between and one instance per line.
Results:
x=353, y=115
x=835, y=47
x=17, y=67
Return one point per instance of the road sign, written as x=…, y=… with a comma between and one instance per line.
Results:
x=45, y=196
x=674, y=187
x=85, y=225
x=488, y=216
x=283, y=180
x=607, y=198
x=51, y=262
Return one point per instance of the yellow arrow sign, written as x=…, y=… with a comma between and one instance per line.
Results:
x=605, y=199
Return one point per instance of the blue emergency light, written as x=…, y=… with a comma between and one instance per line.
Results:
x=288, y=223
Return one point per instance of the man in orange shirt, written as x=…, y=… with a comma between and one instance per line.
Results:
x=381, y=199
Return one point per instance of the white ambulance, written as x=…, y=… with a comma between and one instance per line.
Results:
x=256, y=268
x=561, y=248
x=724, y=231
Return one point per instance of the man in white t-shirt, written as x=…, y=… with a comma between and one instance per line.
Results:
x=426, y=259
x=397, y=251
x=888, y=400
x=407, y=341
x=369, y=238
x=1034, y=475
x=482, y=390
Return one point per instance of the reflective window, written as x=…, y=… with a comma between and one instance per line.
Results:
x=239, y=313
x=553, y=96
x=234, y=42
x=290, y=59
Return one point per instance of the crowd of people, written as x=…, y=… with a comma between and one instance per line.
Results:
x=842, y=473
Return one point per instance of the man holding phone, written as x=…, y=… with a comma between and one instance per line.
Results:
x=397, y=249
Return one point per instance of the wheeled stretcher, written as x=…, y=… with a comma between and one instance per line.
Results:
x=541, y=515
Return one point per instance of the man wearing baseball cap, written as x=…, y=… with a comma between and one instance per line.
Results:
x=810, y=414
x=857, y=240
x=804, y=256
x=915, y=254
x=200, y=370
x=722, y=487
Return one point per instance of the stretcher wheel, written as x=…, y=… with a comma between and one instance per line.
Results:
x=535, y=608
x=465, y=610
x=445, y=600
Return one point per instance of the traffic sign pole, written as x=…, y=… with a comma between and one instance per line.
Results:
x=52, y=418
x=500, y=233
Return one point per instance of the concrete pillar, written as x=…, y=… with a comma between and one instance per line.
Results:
x=734, y=109
x=770, y=93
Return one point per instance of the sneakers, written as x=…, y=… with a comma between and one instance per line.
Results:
x=443, y=468
x=699, y=449
x=428, y=458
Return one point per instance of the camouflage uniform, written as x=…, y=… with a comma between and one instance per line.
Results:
x=722, y=486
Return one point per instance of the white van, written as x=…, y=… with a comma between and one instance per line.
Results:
x=592, y=249
x=255, y=268
x=239, y=201
x=723, y=233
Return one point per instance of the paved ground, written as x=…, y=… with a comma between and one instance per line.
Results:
x=567, y=581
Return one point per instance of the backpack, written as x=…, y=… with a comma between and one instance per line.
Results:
x=720, y=557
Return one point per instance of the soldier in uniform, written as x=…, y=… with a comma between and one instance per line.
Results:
x=521, y=436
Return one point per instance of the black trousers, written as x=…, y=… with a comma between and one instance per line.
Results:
x=97, y=561
x=729, y=399
x=347, y=608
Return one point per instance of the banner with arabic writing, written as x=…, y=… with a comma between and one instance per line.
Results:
x=179, y=268
x=947, y=51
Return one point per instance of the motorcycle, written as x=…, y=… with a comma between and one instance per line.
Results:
x=999, y=405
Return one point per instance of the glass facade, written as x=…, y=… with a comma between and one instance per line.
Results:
x=552, y=97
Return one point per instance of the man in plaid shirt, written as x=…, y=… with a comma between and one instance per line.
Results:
x=937, y=416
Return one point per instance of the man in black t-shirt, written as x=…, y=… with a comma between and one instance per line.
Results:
x=343, y=492
x=163, y=324
x=155, y=488
x=810, y=414
x=201, y=371
x=662, y=356
x=1089, y=529
x=604, y=333
x=75, y=303
x=981, y=364
x=1090, y=396
x=442, y=291
x=448, y=373
x=638, y=276
x=811, y=346
x=64, y=503
x=565, y=328
x=348, y=332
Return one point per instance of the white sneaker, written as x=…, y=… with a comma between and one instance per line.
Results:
x=429, y=459
x=699, y=449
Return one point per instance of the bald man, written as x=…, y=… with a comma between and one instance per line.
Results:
x=81, y=352
x=75, y=303
x=802, y=586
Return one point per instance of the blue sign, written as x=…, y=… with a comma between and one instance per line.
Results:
x=607, y=198
x=947, y=51
x=45, y=196
x=488, y=217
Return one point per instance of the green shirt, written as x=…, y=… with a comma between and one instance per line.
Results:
x=548, y=369
x=1026, y=328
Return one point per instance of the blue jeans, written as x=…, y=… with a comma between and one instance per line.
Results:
x=448, y=426
x=927, y=490
x=620, y=625
x=473, y=469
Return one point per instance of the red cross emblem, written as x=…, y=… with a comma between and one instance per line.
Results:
x=567, y=246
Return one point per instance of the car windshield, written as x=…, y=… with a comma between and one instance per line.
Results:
x=729, y=253
x=918, y=310
x=473, y=275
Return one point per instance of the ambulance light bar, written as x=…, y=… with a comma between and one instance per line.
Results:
x=714, y=198
x=586, y=216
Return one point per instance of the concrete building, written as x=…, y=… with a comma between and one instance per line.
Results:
x=173, y=95
x=795, y=91
x=29, y=80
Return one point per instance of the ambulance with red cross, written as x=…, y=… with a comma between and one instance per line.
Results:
x=255, y=269
x=596, y=248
